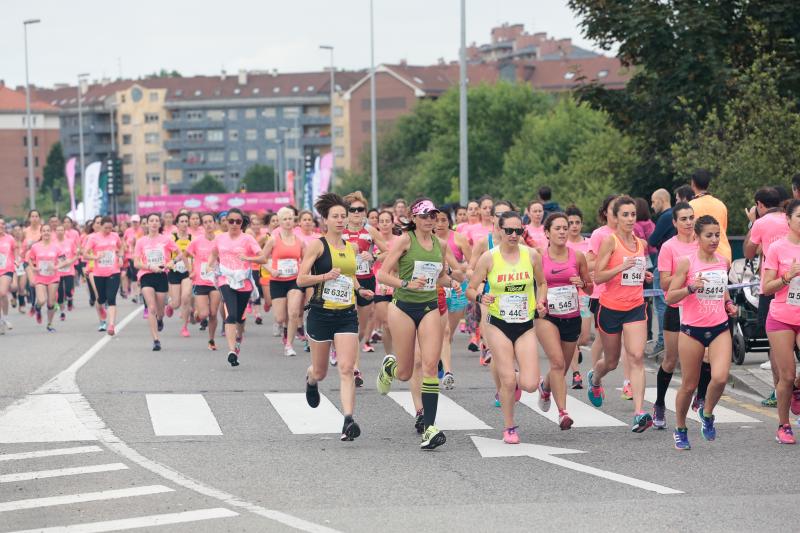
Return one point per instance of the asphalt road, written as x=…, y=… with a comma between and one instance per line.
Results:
x=88, y=440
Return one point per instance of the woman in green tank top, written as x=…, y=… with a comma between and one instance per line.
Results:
x=418, y=257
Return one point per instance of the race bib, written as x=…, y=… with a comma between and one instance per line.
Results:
x=46, y=268
x=3, y=260
x=338, y=291
x=106, y=258
x=20, y=269
x=713, y=286
x=362, y=266
x=236, y=279
x=180, y=267
x=428, y=270
x=562, y=300
x=634, y=276
x=793, y=296
x=155, y=258
x=383, y=290
x=206, y=273
x=287, y=267
x=64, y=269
x=513, y=308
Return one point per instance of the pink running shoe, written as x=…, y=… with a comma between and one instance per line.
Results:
x=785, y=435
x=517, y=394
x=627, y=392
x=110, y=330
x=510, y=435
x=795, y=406
x=184, y=331
x=564, y=420
x=168, y=311
x=146, y=314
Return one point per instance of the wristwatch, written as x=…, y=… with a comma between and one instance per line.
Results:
x=404, y=284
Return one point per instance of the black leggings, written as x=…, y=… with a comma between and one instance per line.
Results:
x=66, y=286
x=107, y=288
x=92, y=295
x=235, y=304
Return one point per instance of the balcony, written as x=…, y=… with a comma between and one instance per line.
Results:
x=316, y=140
x=185, y=144
x=183, y=124
x=315, y=120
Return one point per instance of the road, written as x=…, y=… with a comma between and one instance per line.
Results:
x=106, y=435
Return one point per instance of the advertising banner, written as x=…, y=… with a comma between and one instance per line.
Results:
x=69, y=170
x=92, y=194
x=247, y=202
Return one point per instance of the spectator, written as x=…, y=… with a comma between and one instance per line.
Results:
x=546, y=196
x=665, y=230
x=705, y=204
x=684, y=193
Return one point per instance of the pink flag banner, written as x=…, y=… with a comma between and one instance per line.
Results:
x=325, y=168
x=247, y=202
x=69, y=170
x=290, y=185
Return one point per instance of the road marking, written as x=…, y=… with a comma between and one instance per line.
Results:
x=68, y=499
x=754, y=408
x=139, y=522
x=60, y=472
x=49, y=453
x=42, y=418
x=304, y=420
x=181, y=414
x=449, y=415
x=498, y=448
x=583, y=415
x=722, y=414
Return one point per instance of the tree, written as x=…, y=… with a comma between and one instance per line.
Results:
x=164, y=73
x=209, y=184
x=259, y=178
x=54, y=168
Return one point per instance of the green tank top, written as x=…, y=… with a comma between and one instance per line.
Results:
x=419, y=262
x=512, y=287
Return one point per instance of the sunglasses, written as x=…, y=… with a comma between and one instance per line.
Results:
x=357, y=209
x=427, y=216
x=511, y=231
x=235, y=221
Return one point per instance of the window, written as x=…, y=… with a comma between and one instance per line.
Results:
x=150, y=118
x=126, y=119
x=295, y=89
x=271, y=153
x=233, y=156
x=24, y=140
x=127, y=178
x=312, y=111
x=36, y=141
x=25, y=162
x=195, y=135
x=276, y=90
x=127, y=159
x=153, y=95
x=152, y=138
x=233, y=135
x=198, y=92
x=191, y=176
x=292, y=153
x=251, y=155
x=178, y=92
x=194, y=115
x=569, y=75
x=237, y=90
x=249, y=113
x=270, y=133
x=215, y=114
x=602, y=74
x=339, y=151
x=291, y=112
x=234, y=175
x=126, y=139
x=250, y=135
x=194, y=157
x=337, y=111
x=153, y=177
x=219, y=174
x=310, y=88
x=256, y=90
x=152, y=157
x=233, y=114
x=216, y=156
x=215, y=135
x=338, y=131
x=268, y=112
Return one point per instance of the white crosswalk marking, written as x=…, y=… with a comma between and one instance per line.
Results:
x=68, y=499
x=42, y=418
x=302, y=419
x=181, y=414
x=582, y=414
x=49, y=453
x=722, y=414
x=139, y=522
x=60, y=472
x=449, y=415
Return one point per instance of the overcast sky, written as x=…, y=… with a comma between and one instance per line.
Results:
x=202, y=37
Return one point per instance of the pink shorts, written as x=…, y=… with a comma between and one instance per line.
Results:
x=776, y=325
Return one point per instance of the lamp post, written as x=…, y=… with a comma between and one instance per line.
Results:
x=81, y=79
x=29, y=140
x=463, y=163
x=373, y=128
x=333, y=93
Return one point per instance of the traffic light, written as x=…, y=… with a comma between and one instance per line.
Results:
x=114, y=172
x=309, y=165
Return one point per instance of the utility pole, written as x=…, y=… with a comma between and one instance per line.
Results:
x=29, y=138
x=373, y=128
x=463, y=161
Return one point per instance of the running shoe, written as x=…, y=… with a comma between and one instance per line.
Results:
x=785, y=435
x=681, y=436
x=659, y=418
x=767, y=365
x=384, y=380
x=595, y=392
x=473, y=343
x=301, y=333
x=432, y=438
x=212, y=346
x=38, y=313
x=249, y=309
x=510, y=435
x=168, y=311
x=419, y=422
x=50, y=328
x=497, y=402
x=440, y=370
x=708, y=430
x=772, y=401
x=184, y=331
x=8, y=324
x=449, y=381
x=641, y=422
x=145, y=314
x=111, y=331
x=203, y=324
x=156, y=346
x=259, y=320
x=2, y=326
x=306, y=346
x=32, y=312
x=358, y=378
x=366, y=348
x=627, y=392
x=544, y=397
x=71, y=306
x=160, y=323
x=795, y=406
x=350, y=429
x=102, y=326
x=462, y=326
x=62, y=316
x=698, y=403
x=233, y=359
x=135, y=300
x=486, y=357
x=332, y=357
x=312, y=392
x=288, y=351
x=577, y=380
x=237, y=345
x=376, y=336
x=564, y=420
x=277, y=330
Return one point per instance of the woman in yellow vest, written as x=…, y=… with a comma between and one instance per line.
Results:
x=180, y=285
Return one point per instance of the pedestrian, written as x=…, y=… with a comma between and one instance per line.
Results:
x=548, y=205
x=663, y=231
x=704, y=203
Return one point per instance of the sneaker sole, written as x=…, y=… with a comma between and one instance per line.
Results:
x=351, y=432
x=233, y=359
x=641, y=427
x=785, y=443
x=566, y=424
x=435, y=442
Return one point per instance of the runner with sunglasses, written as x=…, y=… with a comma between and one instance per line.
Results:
x=206, y=296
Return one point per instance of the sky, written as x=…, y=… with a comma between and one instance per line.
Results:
x=135, y=38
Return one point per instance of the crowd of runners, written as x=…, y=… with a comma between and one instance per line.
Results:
x=517, y=279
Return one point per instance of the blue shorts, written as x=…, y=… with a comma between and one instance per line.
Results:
x=456, y=303
x=610, y=321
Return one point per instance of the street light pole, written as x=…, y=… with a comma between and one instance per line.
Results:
x=81, y=78
x=333, y=93
x=373, y=128
x=29, y=139
x=463, y=166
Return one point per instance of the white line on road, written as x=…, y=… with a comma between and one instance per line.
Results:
x=139, y=522
x=582, y=414
x=721, y=414
x=449, y=415
x=181, y=414
x=49, y=453
x=302, y=419
x=42, y=418
x=69, y=499
x=60, y=472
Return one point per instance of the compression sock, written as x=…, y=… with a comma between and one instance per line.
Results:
x=705, y=379
x=430, y=399
x=662, y=383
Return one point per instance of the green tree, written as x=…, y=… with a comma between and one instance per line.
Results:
x=209, y=184
x=259, y=178
x=750, y=142
x=54, y=168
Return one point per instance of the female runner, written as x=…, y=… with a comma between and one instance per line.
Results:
x=8, y=254
x=66, y=274
x=534, y=232
x=576, y=241
x=43, y=261
x=180, y=285
x=383, y=293
x=106, y=249
x=204, y=288
x=32, y=233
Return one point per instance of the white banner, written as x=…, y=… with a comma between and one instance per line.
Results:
x=92, y=195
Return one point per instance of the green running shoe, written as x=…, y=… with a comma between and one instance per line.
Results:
x=432, y=438
x=384, y=381
x=772, y=401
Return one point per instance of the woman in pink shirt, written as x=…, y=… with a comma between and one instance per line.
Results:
x=204, y=278
x=151, y=257
x=106, y=249
x=129, y=236
x=782, y=278
x=43, y=261
x=8, y=253
x=701, y=283
x=66, y=274
x=534, y=231
x=577, y=242
x=232, y=252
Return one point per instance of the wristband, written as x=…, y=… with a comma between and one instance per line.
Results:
x=691, y=289
x=404, y=284
x=729, y=302
x=478, y=297
x=783, y=280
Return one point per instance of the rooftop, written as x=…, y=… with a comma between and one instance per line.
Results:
x=14, y=100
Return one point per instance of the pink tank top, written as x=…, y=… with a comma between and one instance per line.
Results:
x=562, y=295
x=706, y=308
x=286, y=258
x=451, y=242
